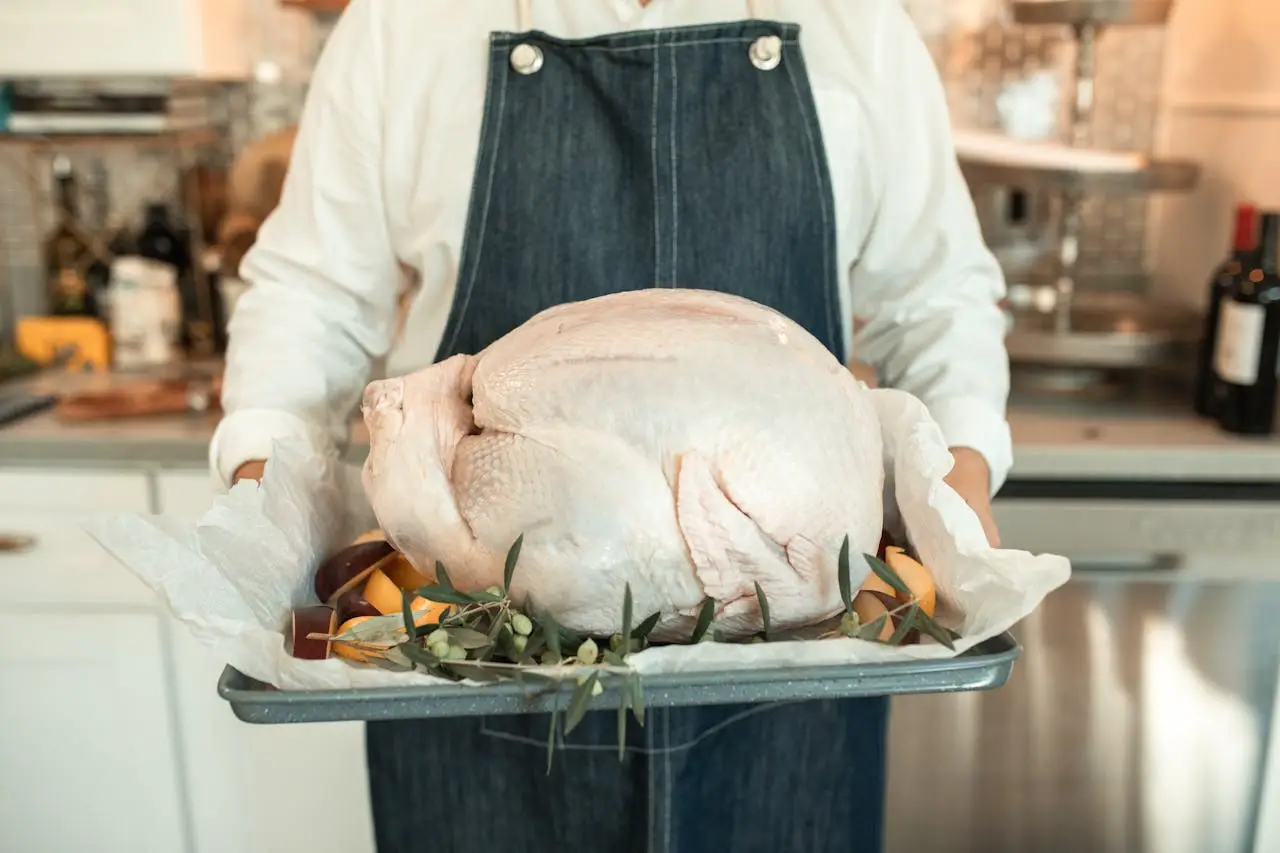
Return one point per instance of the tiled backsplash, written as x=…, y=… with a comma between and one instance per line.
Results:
x=287, y=42
x=977, y=51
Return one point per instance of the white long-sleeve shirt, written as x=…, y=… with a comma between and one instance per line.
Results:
x=380, y=182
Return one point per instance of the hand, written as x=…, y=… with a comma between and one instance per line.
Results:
x=864, y=372
x=249, y=471
x=972, y=481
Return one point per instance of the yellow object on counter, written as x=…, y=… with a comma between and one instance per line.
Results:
x=79, y=343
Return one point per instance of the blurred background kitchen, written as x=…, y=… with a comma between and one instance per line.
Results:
x=1125, y=160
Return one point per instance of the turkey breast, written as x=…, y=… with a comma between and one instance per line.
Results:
x=685, y=442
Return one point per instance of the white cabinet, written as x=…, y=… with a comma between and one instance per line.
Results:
x=87, y=738
x=86, y=735
x=181, y=38
x=112, y=735
x=253, y=787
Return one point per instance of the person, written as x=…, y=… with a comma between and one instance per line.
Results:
x=460, y=166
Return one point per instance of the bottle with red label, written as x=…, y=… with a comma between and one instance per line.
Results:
x=1244, y=245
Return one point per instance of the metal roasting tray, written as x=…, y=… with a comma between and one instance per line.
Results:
x=985, y=667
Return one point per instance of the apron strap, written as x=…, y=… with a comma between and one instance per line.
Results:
x=524, y=13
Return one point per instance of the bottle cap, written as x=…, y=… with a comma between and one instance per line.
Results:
x=1246, y=236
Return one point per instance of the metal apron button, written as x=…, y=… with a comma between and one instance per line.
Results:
x=766, y=52
x=526, y=58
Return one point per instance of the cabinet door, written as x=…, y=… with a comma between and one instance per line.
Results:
x=123, y=37
x=87, y=744
x=253, y=787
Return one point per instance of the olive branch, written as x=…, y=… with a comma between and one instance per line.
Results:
x=483, y=637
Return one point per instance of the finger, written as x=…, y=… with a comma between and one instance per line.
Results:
x=989, y=527
x=252, y=470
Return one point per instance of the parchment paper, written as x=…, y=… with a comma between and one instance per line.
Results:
x=234, y=576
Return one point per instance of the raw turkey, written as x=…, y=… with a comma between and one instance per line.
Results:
x=688, y=443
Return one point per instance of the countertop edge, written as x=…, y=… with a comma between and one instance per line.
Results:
x=1079, y=461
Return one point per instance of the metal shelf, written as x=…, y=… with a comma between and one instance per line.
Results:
x=1083, y=12
x=325, y=7
x=1158, y=176
x=169, y=139
x=1108, y=331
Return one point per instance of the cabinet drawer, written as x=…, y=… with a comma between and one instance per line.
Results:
x=73, y=491
x=185, y=494
x=63, y=565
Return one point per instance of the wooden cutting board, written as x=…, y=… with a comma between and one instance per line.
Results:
x=141, y=399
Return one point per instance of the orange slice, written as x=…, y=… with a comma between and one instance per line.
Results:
x=387, y=599
x=403, y=573
x=917, y=578
x=374, y=535
x=870, y=608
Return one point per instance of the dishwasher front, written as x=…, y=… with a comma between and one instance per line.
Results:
x=1139, y=717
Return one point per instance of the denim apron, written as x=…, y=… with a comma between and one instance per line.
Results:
x=690, y=157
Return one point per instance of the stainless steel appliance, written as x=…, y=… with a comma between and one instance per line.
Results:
x=1139, y=717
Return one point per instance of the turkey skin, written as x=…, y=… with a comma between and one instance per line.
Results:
x=687, y=443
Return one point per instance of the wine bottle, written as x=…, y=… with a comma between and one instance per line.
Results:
x=74, y=273
x=1247, y=356
x=1244, y=245
x=167, y=240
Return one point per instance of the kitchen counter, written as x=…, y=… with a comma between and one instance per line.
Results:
x=1150, y=440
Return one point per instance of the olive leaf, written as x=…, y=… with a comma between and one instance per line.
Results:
x=423, y=658
x=842, y=573
x=535, y=644
x=406, y=612
x=645, y=628
x=376, y=629
x=872, y=629
x=396, y=655
x=928, y=625
x=623, y=697
x=626, y=618
x=474, y=671
x=612, y=658
x=444, y=594
x=467, y=638
x=904, y=627
x=637, y=697
x=390, y=666
x=512, y=555
x=551, y=734
x=551, y=633
x=705, y=615
x=764, y=608
x=442, y=577
x=888, y=575
x=568, y=639
x=580, y=702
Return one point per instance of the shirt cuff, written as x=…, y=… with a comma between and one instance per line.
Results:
x=250, y=434
x=973, y=423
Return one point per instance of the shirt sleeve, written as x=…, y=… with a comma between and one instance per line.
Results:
x=323, y=276
x=926, y=289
